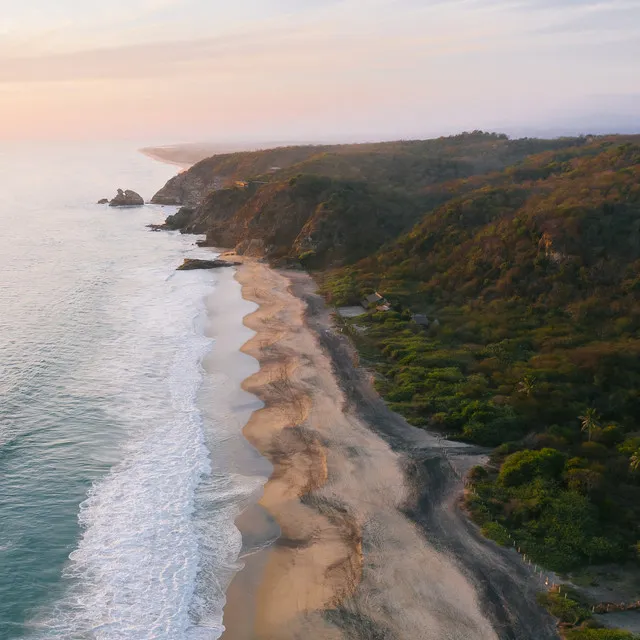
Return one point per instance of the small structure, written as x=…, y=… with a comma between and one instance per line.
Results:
x=420, y=319
x=374, y=298
x=241, y=184
x=384, y=307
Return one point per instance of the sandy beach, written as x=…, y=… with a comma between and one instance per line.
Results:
x=360, y=553
x=168, y=156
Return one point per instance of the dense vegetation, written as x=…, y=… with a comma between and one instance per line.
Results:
x=533, y=275
x=314, y=219
x=412, y=165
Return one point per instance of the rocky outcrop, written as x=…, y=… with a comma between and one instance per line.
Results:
x=103, y=201
x=313, y=218
x=180, y=221
x=190, y=264
x=187, y=188
x=127, y=198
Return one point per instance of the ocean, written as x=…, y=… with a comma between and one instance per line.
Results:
x=122, y=463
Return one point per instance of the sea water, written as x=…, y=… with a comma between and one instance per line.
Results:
x=116, y=501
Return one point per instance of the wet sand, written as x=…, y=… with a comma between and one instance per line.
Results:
x=352, y=559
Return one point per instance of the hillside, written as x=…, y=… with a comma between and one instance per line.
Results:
x=332, y=205
x=190, y=188
x=532, y=275
x=410, y=165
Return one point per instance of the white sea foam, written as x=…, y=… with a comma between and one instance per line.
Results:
x=161, y=517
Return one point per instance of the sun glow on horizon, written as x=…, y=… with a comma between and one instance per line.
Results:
x=185, y=69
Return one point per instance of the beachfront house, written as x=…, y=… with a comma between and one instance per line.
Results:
x=373, y=299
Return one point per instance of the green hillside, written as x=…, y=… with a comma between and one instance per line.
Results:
x=314, y=219
x=533, y=276
x=333, y=205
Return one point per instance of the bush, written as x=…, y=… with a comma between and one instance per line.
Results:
x=599, y=634
x=496, y=532
x=524, y=466
x=565, y=609
x=477, y=474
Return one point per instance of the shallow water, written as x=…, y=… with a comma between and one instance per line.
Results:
x=122, y=466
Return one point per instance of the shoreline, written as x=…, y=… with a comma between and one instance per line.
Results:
x=314, y=558
x=151, y=153
x=358, y=555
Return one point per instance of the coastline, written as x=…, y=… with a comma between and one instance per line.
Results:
x=352, y=559
x=152, y=153
x=359, y=533
x=315, y=560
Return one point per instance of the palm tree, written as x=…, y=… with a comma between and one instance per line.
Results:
x=590, y=421
x=527, y=386
x=634, y=463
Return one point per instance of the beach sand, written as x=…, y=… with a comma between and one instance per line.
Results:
x=348, y=563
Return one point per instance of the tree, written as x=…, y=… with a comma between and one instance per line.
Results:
x=590, y=421
x=527, y=386
x=634, y=463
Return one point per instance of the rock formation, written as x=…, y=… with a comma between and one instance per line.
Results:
x=103, y=201
x=191, y=264
x=127, y=198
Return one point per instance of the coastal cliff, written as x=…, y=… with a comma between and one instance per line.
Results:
x=331, y=205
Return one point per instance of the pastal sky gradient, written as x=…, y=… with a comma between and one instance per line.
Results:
x=310, y=69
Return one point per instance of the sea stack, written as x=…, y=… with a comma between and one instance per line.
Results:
x=127, y=198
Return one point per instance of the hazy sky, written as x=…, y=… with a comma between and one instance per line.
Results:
x=309, y=69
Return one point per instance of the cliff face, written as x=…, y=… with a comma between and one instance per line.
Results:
x=187, y=188
x=321, y=220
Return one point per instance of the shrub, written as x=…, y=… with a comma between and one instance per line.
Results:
x=565, y=609
x=524, y=466
x=599, y=634
x=496, y=532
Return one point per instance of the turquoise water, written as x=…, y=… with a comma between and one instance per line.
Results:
x=105, y=460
